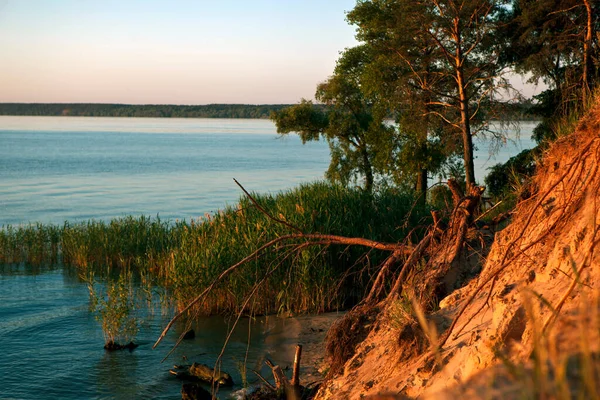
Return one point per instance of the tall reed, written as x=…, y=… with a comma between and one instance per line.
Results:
x=186, y=256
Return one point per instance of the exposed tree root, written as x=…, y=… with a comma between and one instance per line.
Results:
x=346, y=333
x=439, y=253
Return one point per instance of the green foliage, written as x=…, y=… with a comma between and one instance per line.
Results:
x=361, y=143
x=304, y=118
x=506, y=178
x=440, y=198
x=32, y=244
x=547, y=39
x=561, y=49
x=185, y=257
x=401, y=313
x=440, y=67
x=113, y=303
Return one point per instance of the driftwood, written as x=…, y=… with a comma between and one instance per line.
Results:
x=201, y=372
x=296, y=370
x=282, y=384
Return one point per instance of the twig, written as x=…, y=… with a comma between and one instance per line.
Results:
x=379, y=280
x=213, y=284
x=247, y=300
x=266, y=382
x=412, y=259
x=488, y=211
x=252, y=293
x=476, y=313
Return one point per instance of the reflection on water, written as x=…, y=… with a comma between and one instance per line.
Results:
x=116, y=371
x=57, y=169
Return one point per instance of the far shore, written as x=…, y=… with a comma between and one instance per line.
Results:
x=516, y=111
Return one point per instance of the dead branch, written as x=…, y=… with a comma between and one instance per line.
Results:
x=378, y=285
x=282, y=384
x=266, y=382
x=446, y=256
x=261, y=209
x=296, y=369
x=412, y=260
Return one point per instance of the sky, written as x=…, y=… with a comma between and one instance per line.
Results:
x=169, y=51
x=175, y=52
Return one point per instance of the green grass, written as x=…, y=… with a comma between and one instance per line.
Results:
x=186, y=256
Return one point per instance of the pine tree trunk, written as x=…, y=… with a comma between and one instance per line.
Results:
x=465, y=121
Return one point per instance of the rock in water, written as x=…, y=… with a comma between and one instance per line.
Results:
x=112, y=346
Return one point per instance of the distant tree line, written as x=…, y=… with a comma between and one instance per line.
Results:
x=143, y=111
x=519, y=110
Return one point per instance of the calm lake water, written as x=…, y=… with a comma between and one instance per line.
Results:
x=57, y=169
x=54, y=169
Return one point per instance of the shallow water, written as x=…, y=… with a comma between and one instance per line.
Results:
x=51, y=346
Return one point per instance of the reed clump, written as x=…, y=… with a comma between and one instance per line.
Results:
x=114, y=302
x=186, y=256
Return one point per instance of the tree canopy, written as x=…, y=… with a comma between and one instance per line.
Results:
x=556, y=41
x=361, y=143
x=448, y=57
x=435, y=66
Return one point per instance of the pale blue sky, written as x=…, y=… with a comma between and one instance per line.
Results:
x=179, y=52
x=170, y=51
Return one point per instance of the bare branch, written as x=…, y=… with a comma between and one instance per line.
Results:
x=265, y=211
